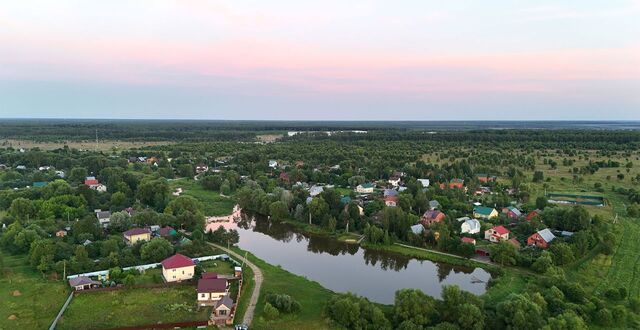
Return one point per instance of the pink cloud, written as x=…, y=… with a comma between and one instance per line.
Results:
x=307, y=68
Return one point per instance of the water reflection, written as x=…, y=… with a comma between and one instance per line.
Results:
x=344, y=267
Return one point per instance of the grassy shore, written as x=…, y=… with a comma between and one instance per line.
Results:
x=24, y=293
x=213, y=204
x=129, y=307
x=311, y=296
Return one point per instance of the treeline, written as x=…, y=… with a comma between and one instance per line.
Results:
x=550, y=303
x=596, y=139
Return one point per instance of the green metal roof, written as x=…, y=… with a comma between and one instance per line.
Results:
x=483, y=210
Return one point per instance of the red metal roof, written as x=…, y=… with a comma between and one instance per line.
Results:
x=501, y=230
x=177, y=261
x=468, y=240
x=91, y=182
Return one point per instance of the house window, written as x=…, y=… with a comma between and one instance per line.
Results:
x=183, y=272
x=202, y=295
x=222, y=312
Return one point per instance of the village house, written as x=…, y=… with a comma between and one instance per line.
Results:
x=83, y=283
x=222, y=309
x=61, y=233
x=201, y=168
x=512, y=212
x=454, y=183
x=178, y=268
x=432, y=216
x=483, y=212
x=394, y=180
x=167, y=231
x=417, y=229
x=541, y=238
x=485, y=178
x=273, y=164
x=391, y=200
x=315, y=191
x=497, y=234
x=434, y=204
x=94, y=184
x=424, y=182
x=365, y=188
x=468, y=240
x=135, y=235
x=390, y=192
x=104, y=218
x=531, y=215
x=470, y=226
x=284, y=177
x=211, y=289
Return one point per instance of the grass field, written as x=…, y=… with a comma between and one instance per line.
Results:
x=129, y=307
x=103, y=145
x=311, y=296
x=212, y=202
x=38, y=302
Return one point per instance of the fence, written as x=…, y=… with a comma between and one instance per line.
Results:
x=223, y=256
x=166, y=325
x=64, y=307
x=138, y=286
x=575, y=199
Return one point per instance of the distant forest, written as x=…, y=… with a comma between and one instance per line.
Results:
x=45, y=130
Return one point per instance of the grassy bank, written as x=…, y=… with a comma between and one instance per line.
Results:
x=24, y=293
x=426, y=255
x=311, y=296
x=129, y=307
x=213, y=204
x=247, y=289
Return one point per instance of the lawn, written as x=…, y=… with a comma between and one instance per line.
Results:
x=129, y=307
x=38, y=302
x=213, y=204
x=311, y=296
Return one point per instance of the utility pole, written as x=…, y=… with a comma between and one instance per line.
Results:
x=96, y=149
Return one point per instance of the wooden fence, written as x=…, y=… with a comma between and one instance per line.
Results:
x=187, y=324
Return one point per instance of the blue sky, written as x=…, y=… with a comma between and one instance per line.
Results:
x=373, y=60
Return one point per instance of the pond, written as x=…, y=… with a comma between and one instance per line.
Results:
x=344, y=267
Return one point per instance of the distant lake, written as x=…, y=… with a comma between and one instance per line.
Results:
x=344, y=267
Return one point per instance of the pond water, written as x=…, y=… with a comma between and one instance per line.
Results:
x=344, y=267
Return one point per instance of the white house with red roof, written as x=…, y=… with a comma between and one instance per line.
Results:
x=178, y=268
x=497, y=234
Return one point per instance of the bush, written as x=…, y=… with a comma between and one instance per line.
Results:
x=284, y=303
x=270, y=312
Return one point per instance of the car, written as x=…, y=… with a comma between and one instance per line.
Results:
x=241, y=326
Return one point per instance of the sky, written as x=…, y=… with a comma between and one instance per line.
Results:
x=321, y=60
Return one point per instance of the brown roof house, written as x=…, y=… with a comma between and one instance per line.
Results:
x=135, y=235
x=432, y=216
x=211, y=289
x=83, y=283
